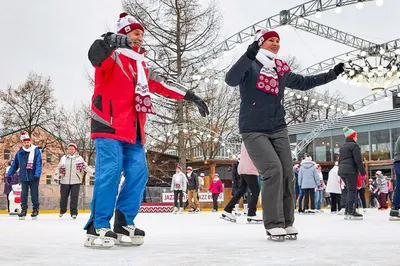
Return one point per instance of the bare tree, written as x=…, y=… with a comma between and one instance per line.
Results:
x=177, y=33
x=29, y=105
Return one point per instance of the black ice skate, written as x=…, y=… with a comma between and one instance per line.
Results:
x=228, y=216
x=192, y=210
x=34, y=214
x=276, y=234
x=394, y=214
x=353, y=216
x=291, y=233
x=21, y=215
x=102, y=238
x=129, y=235
x=254, y=219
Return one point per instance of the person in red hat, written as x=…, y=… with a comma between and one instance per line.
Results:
x=120, y=104
x=262, y=78
x=68, y=175
x=28, y=160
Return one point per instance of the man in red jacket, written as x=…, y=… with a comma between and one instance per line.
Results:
x=120, y=104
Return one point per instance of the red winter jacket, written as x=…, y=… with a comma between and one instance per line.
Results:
x=113, y=102
x=216, y=186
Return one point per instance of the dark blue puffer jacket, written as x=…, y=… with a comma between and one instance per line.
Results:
x=21, y=160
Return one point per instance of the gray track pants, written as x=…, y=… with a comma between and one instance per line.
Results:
x=271, y=155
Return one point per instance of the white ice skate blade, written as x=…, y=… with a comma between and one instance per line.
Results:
x=291, y=236
x=253, y=221
x=34, y=218
x=99, y=243
x=127, y=241
x=280, y=238
x=228, y=219
x=354, y=218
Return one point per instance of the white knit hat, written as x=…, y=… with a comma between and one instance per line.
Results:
x=25, y=136
x=126, y=23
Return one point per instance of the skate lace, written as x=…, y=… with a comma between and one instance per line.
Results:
x=130, y=228
x=102, y=231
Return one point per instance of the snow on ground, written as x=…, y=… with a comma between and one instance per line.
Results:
x=204, y=239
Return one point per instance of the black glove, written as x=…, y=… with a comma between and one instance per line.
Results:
x=98, y=52
x=191, y=97
x=339, y=69
x=252, y=50
x=117, y=40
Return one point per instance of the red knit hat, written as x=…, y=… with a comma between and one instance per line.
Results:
x=265, y=34
x=126, y=23
x=73, y=145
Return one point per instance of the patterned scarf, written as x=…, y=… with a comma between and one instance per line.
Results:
x=31, y=156
x=143, y=102
x=273, y=68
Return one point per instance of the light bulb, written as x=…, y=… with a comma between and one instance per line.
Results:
x=319, y=103
x=305, y=98
x=223, y=144
x=338, y=9
x=194, y=131
x=185, y=131
x=291, y=94
x=382, y=51
x=318, y=14
x=363, y=53
x=152, y=143
x=176, y=131
x=285, y=92
x=338, y=109
x=332, y=107
x=208, y=136
x=201, y=133
x=215, y=139
x=313, y=101
x=326, y=105
x=398, y=94
x=228, y=150
x=206, y=80
x=359, y=5
x=298, y=96
x=380, y=68
x=379, y=2
x=351, y=73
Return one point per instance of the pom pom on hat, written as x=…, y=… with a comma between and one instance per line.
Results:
x=265, y=34
x=126, y=23
x=349, y=133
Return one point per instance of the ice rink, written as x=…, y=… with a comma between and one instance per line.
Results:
x=204, y=239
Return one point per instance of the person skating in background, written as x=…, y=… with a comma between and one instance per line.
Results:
x=382, y=182
x=248, y=180
x=215, y=188
x=9, y=181
x=201, y=186
x=298, y=190
x=193, y=187
x=334, y=186
x=319, y=190
x=68, y=175
x=236, y=184
x=350, y=165
x=28, y=160
x=121, y=102
x=394, y=211
x=262, y=78
x=178, y=186
x=308, y=181
x=361, y=194
x=373, y=194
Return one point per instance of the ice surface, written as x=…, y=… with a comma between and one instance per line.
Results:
x=204, y=239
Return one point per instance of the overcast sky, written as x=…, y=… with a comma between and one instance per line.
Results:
x=52, y=37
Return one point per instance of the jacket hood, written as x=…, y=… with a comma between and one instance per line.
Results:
x=307, y=164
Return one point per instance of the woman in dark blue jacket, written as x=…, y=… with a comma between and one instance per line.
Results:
x=262, y=78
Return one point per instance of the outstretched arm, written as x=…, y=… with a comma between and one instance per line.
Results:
x=303, y=83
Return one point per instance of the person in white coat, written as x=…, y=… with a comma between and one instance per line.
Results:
x=178, y=186
x=334, y=186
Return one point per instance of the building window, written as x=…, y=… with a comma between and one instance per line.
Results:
x=49, y=157
x=395, y=136
x=363, y=142
x=7, y=155
x=380, y=145
x=91, y=182
x=337, y=142
x=322, y=149
x=48, y=179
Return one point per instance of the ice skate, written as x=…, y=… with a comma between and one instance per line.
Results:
x=228, y=217
x=73, y=216
x=192, y=210
x=353, y=216
x=198, y=210
x=254, y=219
x=61, y=215
x=276, y=234
x=175, y=210
x=180, y=210
x=34, y=214
x=394, y=214
x=129, y=235
x=309, y=212
x=341, y=212
x=291, y=233
x=214, y=210
x=102, y=238
x=21, y=215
